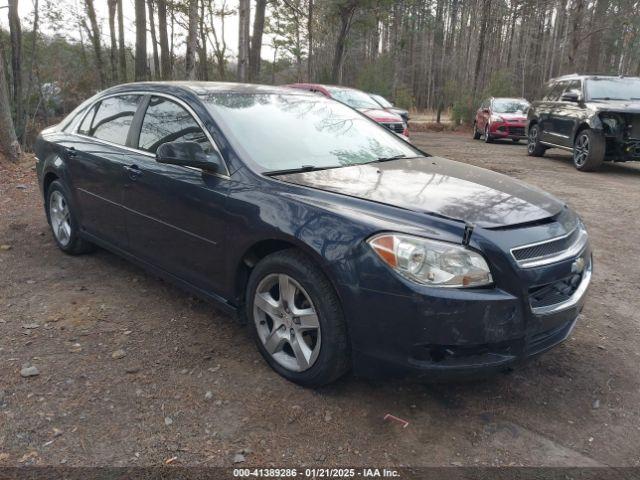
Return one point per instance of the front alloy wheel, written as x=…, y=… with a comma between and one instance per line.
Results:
x=287, y=322
x=588, y=150
x=297, y=319
x=534, y=147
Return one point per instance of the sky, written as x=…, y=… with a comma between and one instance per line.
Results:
x=102, y=12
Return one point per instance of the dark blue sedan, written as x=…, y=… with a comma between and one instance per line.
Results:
x=340, y=244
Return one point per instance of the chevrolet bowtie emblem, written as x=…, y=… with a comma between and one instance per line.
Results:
x=577, y=266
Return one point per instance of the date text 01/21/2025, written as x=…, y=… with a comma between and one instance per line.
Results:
x=316, y=472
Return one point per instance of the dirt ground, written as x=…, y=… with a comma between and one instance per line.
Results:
x=191, y=386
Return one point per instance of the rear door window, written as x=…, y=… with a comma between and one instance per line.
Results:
x=111, y=118
x=166, y=121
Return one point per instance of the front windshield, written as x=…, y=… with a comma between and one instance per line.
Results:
x=510, y=106
x=280, y=131
x=382, y=101
x=613, y=88
x=353, y=98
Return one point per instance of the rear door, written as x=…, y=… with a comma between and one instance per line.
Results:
x=96, y=165
x=175, y=215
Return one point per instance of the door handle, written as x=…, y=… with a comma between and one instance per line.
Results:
x=133, y=171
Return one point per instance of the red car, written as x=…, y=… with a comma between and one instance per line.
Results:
x=501, y=118
x=361, y=102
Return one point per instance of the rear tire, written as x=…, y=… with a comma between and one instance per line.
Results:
x=279, y=325
x=476, y=133
x=63, y=221
x=588, y=150
x=534, y=147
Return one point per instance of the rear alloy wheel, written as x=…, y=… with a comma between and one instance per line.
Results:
x=487, y=136
x=476, y=133
x=63, y=222
x=534, y=147
x=297, y=319
x=588, y=150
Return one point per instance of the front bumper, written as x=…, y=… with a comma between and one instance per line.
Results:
x=449, y=334
x=508, y=130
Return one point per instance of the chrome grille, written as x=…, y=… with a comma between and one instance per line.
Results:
x=550, y=251
x=395, y=127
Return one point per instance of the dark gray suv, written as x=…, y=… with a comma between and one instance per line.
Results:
x=595, y=117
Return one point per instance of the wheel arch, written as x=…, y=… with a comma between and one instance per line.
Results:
x=259, y=250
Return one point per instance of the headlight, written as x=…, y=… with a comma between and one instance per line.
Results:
x=433, y=263
x=497, y=118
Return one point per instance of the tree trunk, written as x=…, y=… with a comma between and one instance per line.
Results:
x=34, y=53
x=8, y=141
x=486, y=7
x=15, y=32
x=154, y=40
x=255, y=49
x=202, y=51
x=113, y=51
x=140, y=73
x=192, y=40
x=310, y=41
x=122, y=47
x=346, y=13
x=95, y=41
x=165, y=58
x=244, y=14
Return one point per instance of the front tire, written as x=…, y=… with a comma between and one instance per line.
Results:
x=297, y=320
x=487, y=136
x=588, y=150
x=476, y=133
x=534, y=147
x=63, y=221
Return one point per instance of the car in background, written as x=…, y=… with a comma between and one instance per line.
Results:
x=597, y=118
x=361, y=101
x=499, y=118
x=390, y=107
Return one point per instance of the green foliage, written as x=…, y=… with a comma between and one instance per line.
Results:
x=376, y=77
x=501, y=85
x=463, y=110
x=403, y=98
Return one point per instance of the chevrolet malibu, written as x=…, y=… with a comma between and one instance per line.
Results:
x=340, y=244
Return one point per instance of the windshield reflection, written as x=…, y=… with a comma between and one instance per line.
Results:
x=288, y=131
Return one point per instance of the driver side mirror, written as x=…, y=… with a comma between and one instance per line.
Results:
x=189, y=154
x=571, y=96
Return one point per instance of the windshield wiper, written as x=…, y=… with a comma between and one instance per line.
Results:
x=301, y=168
x=388, y=159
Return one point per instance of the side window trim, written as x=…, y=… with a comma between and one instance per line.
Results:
x=144, y=102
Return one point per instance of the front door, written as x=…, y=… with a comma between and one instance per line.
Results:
x=175, y=215
x=565, y=114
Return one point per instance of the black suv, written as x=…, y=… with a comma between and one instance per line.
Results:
x=595, y=117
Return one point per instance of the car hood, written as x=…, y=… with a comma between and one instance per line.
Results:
x=440, y=187
x=618, y=106
x=380, y=115
x=513, y=116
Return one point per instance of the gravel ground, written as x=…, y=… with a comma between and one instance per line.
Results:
x=133, y=371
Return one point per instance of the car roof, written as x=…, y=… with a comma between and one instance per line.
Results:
x=201, y=88
x=518, y=99
x=577, y=76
